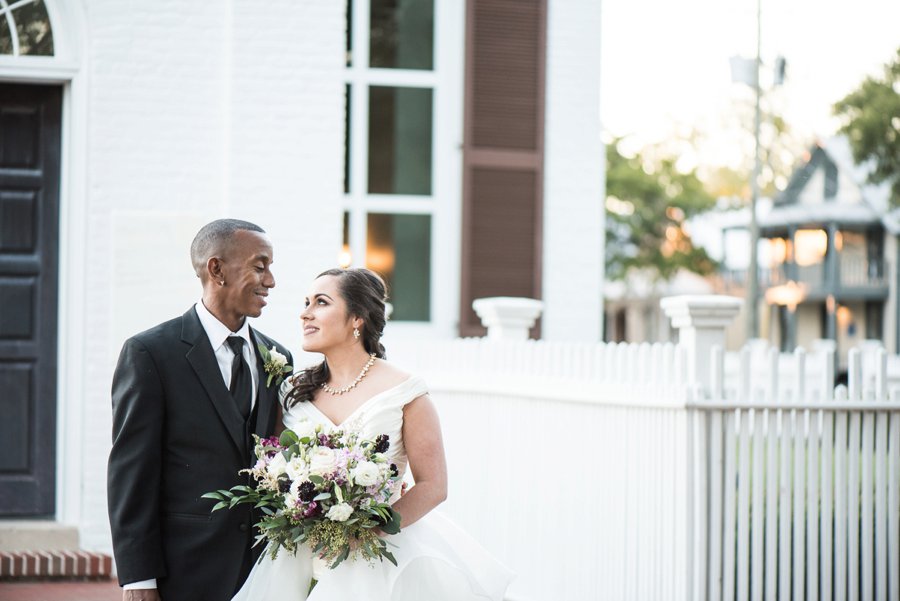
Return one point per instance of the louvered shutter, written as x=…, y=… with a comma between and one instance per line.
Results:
x=502, y=153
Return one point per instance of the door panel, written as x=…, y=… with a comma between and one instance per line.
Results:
x=29, y=225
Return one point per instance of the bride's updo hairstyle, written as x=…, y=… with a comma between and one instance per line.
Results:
x=365, y=293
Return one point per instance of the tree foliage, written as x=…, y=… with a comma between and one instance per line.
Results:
x=871, y=121
x=647, y=205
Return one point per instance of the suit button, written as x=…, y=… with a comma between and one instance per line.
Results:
x=243, y=527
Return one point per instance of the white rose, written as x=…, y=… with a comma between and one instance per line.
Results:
x=277, y=465
x=304, y=429
x=366, y=473
x=277, y=359
x=296, y=469
x=322, y=460
x=339, y=513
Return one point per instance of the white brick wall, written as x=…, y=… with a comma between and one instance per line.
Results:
x=198, y=110
x=574, y=164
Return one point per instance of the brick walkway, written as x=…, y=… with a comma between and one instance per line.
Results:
x=60, y=591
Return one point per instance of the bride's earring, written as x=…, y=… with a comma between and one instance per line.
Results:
x=356, y=333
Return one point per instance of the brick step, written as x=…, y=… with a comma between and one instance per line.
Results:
x=54, y=565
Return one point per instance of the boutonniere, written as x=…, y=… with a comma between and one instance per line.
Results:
x=274, y=364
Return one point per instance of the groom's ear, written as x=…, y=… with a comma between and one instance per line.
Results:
x=214, y=269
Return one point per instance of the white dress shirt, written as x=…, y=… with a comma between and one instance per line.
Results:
x=218, y=333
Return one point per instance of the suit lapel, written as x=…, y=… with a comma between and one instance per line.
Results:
x=204, y=363
x=264, y=399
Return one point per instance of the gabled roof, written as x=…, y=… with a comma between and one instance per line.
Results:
x=828, y=188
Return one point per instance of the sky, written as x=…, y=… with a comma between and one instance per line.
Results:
x=665, y=66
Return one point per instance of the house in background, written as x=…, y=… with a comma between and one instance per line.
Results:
x=454, y=146
x=828, y=257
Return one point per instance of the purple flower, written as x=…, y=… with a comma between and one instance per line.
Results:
x=311, y=510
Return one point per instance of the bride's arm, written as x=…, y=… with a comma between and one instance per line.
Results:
x=425, y=449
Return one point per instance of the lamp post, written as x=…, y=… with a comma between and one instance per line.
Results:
x=744, y=72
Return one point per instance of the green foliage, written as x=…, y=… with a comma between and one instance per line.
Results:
x=871, y=121
x=647, y=204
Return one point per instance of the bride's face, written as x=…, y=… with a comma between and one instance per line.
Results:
x=326, y=324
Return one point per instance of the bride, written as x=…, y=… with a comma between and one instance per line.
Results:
x=355, y=387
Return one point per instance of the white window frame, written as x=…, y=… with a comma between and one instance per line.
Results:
x=444, y=204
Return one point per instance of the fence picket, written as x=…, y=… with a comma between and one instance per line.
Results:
x=894, y=500
x=757, y=513
x=840, y=498
x=881, y=522
x=771, y=525
x=867, y=560
x=784, y=504
x=853, y=459
x=799, y=514
x=716, y=421
x=729, y=519
x=743, y=515
x=771, y=505
x=812, y=505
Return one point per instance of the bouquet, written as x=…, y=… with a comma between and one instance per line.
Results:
x=325, y=489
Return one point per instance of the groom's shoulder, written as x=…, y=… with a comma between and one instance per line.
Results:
x=161, y=333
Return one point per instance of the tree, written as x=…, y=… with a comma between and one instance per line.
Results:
x=647, y=204
x=871, y=116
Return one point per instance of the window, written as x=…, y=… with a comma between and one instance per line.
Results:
x=25, y=28
x=391, y=200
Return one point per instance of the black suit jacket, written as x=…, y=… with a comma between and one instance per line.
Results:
x=177, y=434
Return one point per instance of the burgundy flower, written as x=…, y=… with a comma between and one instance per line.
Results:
x=306, y=491
x=382, y=443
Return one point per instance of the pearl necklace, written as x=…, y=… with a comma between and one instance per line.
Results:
x=352, y=385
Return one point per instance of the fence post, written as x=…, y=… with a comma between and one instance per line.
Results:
x=701, y=323
x=507, y=317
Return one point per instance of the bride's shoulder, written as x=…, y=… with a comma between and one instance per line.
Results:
x=392, y=377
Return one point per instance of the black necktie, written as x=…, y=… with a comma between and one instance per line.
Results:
x=241, y=381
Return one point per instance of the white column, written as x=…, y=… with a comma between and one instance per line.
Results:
x=574, y=161
x=507, y=318
x=701, y=323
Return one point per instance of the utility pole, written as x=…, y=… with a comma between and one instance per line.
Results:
x=753, y=269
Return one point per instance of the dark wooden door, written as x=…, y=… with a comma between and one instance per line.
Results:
x=29, y=225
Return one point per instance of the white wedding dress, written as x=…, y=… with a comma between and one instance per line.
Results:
x=436, y=560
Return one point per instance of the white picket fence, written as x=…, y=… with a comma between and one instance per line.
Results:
x=803, y=488
x=567, y=461
x=612, y=471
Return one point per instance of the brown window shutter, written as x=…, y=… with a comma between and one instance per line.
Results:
x=502, y=153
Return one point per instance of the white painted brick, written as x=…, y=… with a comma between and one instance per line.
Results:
x=199, y=110
x=574, y=163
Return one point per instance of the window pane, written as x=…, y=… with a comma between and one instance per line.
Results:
x=401, y=34
x=33, y=27
x=399, y=248
x=399, y=140
x=6, y=46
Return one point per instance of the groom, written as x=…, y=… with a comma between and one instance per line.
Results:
x=187, y=395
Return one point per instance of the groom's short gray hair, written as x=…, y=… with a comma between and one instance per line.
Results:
x=212, y=239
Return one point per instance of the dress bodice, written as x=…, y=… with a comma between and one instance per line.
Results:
x=380, y=414
x=435, y=560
